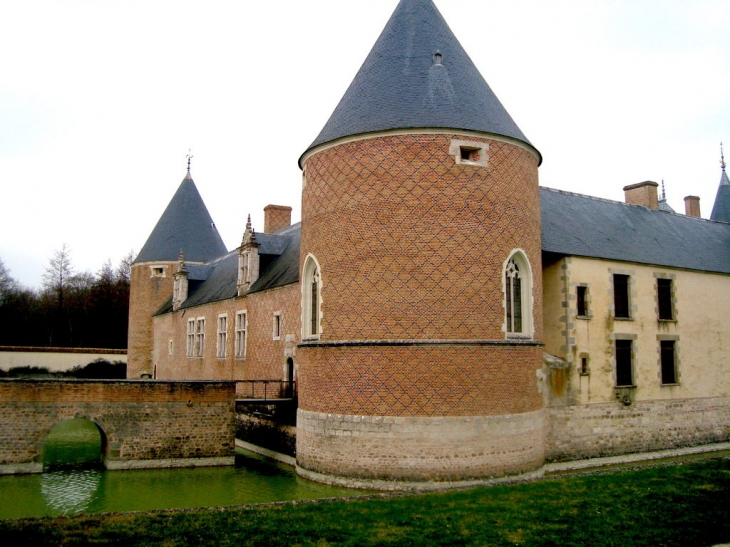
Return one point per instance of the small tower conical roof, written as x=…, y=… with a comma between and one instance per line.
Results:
x=417, y=75
x=721, y=208
x=185, y=226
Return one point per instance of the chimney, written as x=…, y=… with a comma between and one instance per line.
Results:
x=692, y=206
x=643, y=193
x=276, y=217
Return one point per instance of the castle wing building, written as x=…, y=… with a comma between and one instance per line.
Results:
x=443, y=317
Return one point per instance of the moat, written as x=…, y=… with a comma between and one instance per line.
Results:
x=66, y=492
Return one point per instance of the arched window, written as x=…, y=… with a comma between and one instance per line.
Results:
x=518, y=295
x=311, y=299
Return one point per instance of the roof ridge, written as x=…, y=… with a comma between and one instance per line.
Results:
x=606, y=200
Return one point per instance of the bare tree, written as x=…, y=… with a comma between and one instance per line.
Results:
x=124, y=270
x=58, y=274
x=8, y=285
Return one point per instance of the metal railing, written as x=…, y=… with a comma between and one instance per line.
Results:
x=265, y=390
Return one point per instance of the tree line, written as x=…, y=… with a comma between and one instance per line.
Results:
x=71, y=309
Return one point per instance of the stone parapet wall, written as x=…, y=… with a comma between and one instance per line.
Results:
x=151, y=423
x=609, y=429
x=419, y=448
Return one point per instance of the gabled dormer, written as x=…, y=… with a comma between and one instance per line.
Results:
x=180, y=283
x=248, y=259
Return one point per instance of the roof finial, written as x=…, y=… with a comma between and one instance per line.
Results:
x=181, y=262
x=664, y=193
x=722, y=158
x=189, y=156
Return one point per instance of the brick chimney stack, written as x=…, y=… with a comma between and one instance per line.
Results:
x=643, y=193
x=276, y=217
x=692, y=206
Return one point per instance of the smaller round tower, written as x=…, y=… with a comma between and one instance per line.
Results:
x=185, y=227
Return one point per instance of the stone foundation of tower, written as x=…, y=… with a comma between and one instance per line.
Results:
x=416, y=448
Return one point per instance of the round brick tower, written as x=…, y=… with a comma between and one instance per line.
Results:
x=420, y=272
x=185, y=226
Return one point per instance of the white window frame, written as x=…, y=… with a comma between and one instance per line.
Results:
x=190, y=351
x=241, y=334
x=311, y=272
x=199, y=336
x=276, y=327
x=519, y=258
x=222, y=338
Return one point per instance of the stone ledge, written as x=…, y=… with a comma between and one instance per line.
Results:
x=115, y=465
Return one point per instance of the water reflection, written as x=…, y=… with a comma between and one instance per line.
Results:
x=69, y=492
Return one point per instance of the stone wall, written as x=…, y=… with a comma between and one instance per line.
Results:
x=610, y=429
x=347, y=447
x=143, y=424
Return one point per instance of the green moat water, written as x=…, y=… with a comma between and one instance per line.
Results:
x=73, y=482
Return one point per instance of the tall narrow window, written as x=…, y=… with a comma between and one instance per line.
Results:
x=621, y=296
x=664, y=299
x=311, y=299
x=222, y=336
x=624, y=364
x=513, y=284
x=314, y=304
x=668, y=361
x=190, y=352
x=277, y=326
x=199, y=336
x=582, y=300
x=240, y=341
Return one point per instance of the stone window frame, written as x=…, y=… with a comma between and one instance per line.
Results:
x=311, y=310
x=199, y=337
x=519, y=257
x=276, y=326
x=158, y=271
x=633, y=358
x=630, y=294
x=466, y=152
x=190, y=338
x=668, y=338
x=586, y=301
x=241, y=334
x=221, y=346
x=672, y=296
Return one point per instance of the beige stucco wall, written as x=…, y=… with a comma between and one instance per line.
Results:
x=56, y=361
x=701, y=327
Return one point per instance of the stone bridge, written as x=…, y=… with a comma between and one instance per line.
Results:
x=143, y=424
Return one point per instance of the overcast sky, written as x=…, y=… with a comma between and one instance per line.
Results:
x=101, y=100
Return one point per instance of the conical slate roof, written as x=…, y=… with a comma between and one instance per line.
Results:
x=187, y=225
x=721, y=209
x=402, y=84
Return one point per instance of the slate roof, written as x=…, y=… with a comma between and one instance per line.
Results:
x=187, y=225
x=573, y=224
x=721, y=209
x=217, y=280
x=399, y=86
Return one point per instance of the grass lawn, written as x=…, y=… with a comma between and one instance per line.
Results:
x=682, y=505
